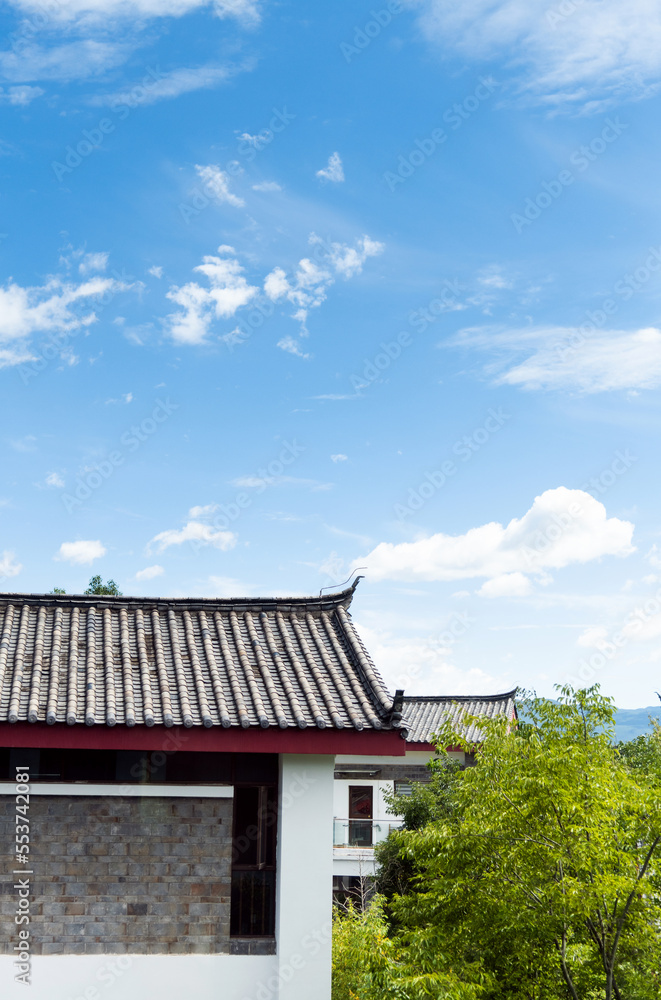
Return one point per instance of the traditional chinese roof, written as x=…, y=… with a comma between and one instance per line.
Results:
x=424, y=716
x=248, y=662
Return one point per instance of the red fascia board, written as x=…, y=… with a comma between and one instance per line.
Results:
x=215, y=740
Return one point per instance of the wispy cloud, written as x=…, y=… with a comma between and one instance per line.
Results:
x=8, y=565
x=562, y=358
x=217, y=183
x=568, y=56
x=20, y=96
x=197, y=533
x=308, y=286
x=184, y=80
x=93, y=12
x=149, y=573
x=334, y=171
x=77, y=60
x=47, y=308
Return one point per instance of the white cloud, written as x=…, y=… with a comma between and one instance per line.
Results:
x=80, y=553
x=585, y=53
x=126, y=398
x=216, y=183
x=309, y=285
x=27, y=443
x=339, y=458
x=198, y=534
x=8, y=565
x=593, y=638
x=261, y=482
x=92, y=262
x=102, y=11
x=507, y=585
x=564, y=358
x=228, y=292
x=204, y=511
x=561, y=528
x=69, y=61
x=290, y=345
x=149, y=572
x=44, y=309
x=267, y=186
x=156, y=271
x=20, y=96
x=334, y=172
x=424, y=665
x=167, y=86
x=654, y=556
x=55, y=480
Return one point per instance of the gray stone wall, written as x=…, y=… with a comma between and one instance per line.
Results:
x=121, y=875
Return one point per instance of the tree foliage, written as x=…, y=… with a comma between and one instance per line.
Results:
x=535, y=875
x=97, y=586
x=546, y=871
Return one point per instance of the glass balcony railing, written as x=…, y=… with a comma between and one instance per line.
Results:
x=362, y=832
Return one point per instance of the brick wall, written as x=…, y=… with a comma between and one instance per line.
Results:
x=114, y=875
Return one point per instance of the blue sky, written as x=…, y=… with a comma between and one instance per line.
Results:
x=291, y=289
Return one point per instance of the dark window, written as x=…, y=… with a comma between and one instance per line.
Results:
x=360, y=815
x=253, y=904
x=403, y=788
x=140, y=767
x=253, y=861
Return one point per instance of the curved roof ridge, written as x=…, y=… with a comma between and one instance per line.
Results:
x=461, y=697
x=341, y=598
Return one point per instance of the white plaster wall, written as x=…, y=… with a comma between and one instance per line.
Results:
x=305, y=868
x=139, y=977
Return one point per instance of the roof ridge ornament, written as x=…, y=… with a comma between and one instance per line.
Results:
x=353, y=585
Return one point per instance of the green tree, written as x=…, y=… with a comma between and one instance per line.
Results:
x=427, y=803
x=97, y=586
x=368, y=964
x=545, y=875
x=58, y=590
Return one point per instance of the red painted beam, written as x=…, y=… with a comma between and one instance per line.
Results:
x=217, y=740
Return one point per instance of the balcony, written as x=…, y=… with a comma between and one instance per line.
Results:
x=362, y=833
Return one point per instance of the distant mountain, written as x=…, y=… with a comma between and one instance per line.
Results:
x=631, y=722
